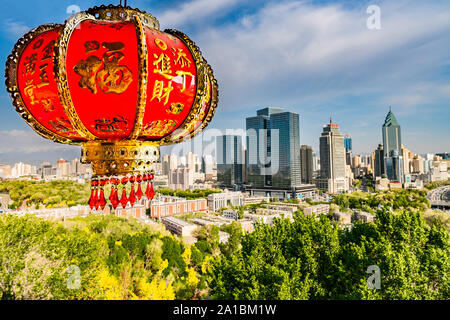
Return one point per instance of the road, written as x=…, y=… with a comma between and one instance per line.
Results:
x=439, y=197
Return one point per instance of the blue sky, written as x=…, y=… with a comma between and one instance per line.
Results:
x=316, y=58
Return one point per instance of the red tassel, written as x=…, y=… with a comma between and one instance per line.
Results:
x=96, y=202
x=147, y=191
x=102, y=200
x=124, y=199
x=139, y=192
x=93, y=198
x=114, y=196
x=132, y=197
x=151, y=193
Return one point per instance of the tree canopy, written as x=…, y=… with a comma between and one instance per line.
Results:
x=314, y=259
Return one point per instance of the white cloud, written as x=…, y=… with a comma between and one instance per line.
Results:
x=290, y=52
x=193, y=11
x=410, y=98
x=15, y=29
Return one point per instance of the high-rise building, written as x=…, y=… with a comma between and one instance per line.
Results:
x=165, y=164
x=273, y=149
x=348, y=149
x=332, y=160
x=207, y=164
x=394, y=167
x=22, y=169
x=46, y=169
x=392, y=148
x=316, y=162
x=306, y=163
x=191, y=161
x=75, y=165
x=407, y=160
x=379, y=161
x=355, y=165
x=230, y=160
x=417, y=164
x=180, y=178
x=173, y=162
x=62, y=168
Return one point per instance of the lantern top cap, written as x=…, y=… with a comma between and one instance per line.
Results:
x=123, y=13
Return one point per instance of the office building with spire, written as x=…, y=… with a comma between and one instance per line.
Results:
x=392, y=148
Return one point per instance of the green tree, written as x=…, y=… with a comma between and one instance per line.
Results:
x=314, y=259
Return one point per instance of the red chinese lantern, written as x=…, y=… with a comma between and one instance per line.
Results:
x=109, y=80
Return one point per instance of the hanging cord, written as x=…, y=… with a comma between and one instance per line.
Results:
x=125, y=4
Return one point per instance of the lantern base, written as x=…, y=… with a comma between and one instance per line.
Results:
x=119, y=158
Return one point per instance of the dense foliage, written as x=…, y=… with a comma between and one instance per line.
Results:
x=115, y=258
x=309, y=258
x=395, y=199
x=188, y=194
x=52, y=193
x=313, y=259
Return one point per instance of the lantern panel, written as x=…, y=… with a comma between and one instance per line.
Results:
x=171, y=85
x=38, y=88
x=103, y=77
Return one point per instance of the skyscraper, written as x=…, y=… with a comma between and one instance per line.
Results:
x=207, y=164
x=273, y=149
x=229, y=157
x=165, y=164
x=46, y=169
x=306, y=163
x=394, y=167
x=332, y=160
x=379, y=161
x=348, y=149
x=392, y=148
x=173, y=161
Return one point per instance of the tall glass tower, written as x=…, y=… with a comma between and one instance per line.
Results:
x=392, y=148
x=273, y=149
x=348, y=148
x=230, y=162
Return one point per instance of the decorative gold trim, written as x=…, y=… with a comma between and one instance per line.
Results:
x=120, y=157
x=203, y=72
x=13, y=88
x=213, y=104
x=142, y=78
x=121, y=13
x=61, y=73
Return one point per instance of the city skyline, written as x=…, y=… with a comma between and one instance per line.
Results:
x=398, y=65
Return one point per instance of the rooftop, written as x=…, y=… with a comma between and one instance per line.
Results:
x=390, y=120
